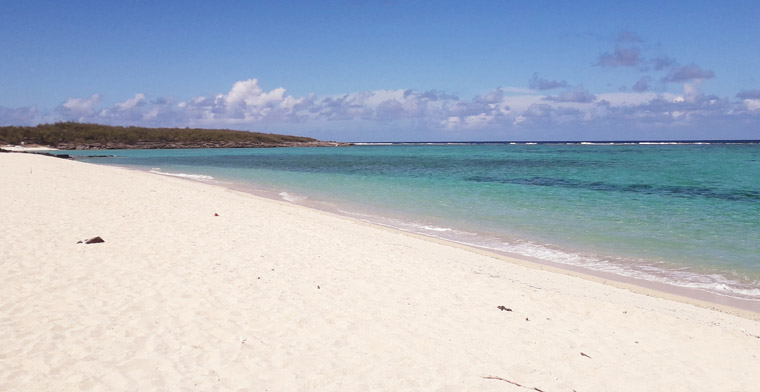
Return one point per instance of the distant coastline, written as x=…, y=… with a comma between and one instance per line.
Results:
x=83, y=136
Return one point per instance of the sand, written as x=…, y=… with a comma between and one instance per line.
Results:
x=271, y=296
x=30, y=148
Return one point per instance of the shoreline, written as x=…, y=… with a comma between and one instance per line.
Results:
x=726, y=303
x=206, y=287
x=710, y=300
x=25, y=148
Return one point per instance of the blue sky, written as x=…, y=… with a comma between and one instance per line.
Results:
x=389, y=70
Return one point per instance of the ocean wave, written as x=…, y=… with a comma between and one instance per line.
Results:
x=291, y=197
x=679, y=143
x=604, y=143
x=196, y=177
x=415, y=227
x=725, y=287
x=431, y=228
x=638, y=269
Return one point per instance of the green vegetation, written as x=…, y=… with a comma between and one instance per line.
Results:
x=72, y=135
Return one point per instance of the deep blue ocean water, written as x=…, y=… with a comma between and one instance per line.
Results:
x=684, y=214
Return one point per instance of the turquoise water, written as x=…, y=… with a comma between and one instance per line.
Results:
x=683, y=214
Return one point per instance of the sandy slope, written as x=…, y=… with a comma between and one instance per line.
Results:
x=273, y=296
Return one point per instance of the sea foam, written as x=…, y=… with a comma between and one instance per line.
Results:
x=291, y=197
x=196, y=177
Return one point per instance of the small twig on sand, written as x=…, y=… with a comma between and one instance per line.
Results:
x=512, y=382
x=585, y=355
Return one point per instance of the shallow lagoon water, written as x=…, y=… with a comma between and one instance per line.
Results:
x=683, y=214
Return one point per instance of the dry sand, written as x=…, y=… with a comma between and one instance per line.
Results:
x=273, y=296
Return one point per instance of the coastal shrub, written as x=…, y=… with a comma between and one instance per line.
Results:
x=84, y=134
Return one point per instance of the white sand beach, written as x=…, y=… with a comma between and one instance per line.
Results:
x=34, y=147
x=202, y=288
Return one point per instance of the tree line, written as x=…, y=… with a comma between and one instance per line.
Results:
x=74, y=133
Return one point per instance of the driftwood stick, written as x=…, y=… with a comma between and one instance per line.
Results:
x=512, y=382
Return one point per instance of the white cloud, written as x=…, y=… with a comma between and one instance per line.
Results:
x=687, y=73
x=691, y=91
x=18, y=116
x=502, y=110
x=621, y=57
x=539, y=83
x=131, y=103
x=627, y=98
x=79, y=108
x=578, y=94
x=752, y=104
x=749, y=94
x=249, y=92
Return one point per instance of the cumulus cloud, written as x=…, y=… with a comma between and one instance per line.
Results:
x=474, y=121
x=127, y=112
x=247, y=105
x=691, y=91
x=578, y=94
x=431, y=95
x=248, y=93
x=346, y=107
x=543, y=114
x=130, y=104
x=79, y=108
x=494, y=96
x=687, y=73
x=246, y=102
x=752, y=104
x=539, y=83
x=749, y=94
x=621, y=57
x=751, y=99
x=17, y=116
